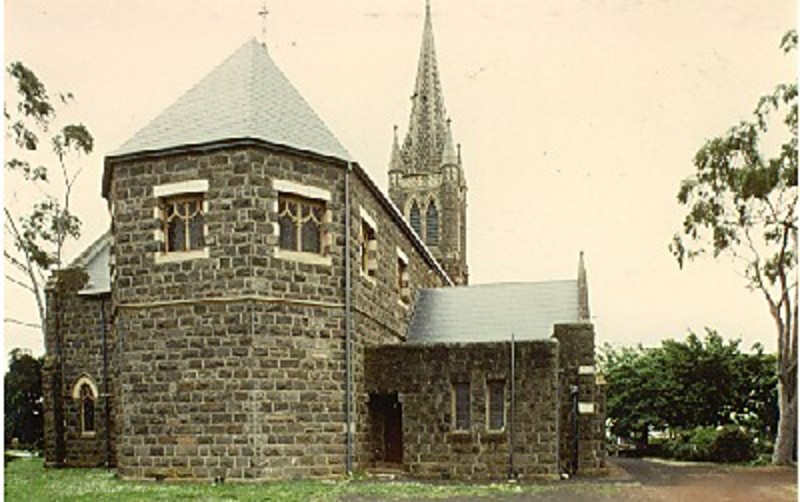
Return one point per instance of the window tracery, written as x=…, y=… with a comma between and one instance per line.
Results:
x=184, y=223
x=300, y=220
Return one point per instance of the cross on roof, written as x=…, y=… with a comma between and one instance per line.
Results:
x=263, y=14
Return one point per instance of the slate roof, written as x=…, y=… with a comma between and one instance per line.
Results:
x=491, y=312
x=245, y=97
x=95, y=260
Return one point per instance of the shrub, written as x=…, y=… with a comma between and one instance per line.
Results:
x=732, y=444
x=709, y=444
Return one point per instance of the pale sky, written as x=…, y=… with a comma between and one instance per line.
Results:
x=577, y=120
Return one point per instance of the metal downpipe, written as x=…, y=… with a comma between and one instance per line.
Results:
x=348, y=329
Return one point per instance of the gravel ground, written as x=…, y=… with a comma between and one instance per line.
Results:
x=650, y=480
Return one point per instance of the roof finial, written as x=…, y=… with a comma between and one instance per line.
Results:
x=263, y=14
x=583, y=291
x=396, y=161
x=449, y=155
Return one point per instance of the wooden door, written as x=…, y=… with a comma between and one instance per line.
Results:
x=393, y=432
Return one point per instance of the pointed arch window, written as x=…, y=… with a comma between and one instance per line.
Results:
x=87, y=409
x=85, y=393
x=432, y=225
x=415, y=218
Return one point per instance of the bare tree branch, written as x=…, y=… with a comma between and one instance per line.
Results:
x=10, y=320
x=19, y=283
x=28, y=267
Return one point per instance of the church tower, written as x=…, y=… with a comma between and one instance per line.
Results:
x=426, y=177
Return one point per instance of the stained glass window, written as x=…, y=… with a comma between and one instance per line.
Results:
x=184, y=223
x=300, y=222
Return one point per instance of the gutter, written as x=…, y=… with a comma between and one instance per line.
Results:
x=207, y=147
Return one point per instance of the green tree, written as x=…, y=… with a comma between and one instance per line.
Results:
x=742, y=202
x=636, y=401
x=35, y=235
x=687, y=384
x=23, y=400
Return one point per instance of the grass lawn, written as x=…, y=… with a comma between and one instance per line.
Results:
x=27, y=480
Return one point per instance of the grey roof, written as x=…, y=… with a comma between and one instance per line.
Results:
x=245, y=97
x=95, y=260
x=492, y=312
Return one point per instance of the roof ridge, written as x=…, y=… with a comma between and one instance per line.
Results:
x=251, y=83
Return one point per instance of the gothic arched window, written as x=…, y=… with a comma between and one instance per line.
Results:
x=86, y=393
x=432, y=225
x=415, y=219
x=87, y=409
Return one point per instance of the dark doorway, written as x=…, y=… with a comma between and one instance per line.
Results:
x=387, y=412
x=393, y=432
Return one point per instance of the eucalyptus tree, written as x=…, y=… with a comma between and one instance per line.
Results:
x=42, y=167
x=742, y=202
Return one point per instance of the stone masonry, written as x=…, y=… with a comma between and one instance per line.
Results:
x=80, y=343
x=268, y=332
x=423, y=375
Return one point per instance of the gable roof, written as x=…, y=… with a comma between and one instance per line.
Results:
x=245, y=97
x=492, y=312
x=95, y=261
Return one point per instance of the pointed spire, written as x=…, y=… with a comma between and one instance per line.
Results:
x=583, y=292
x=422, y=147
x=396, y=162
x=449, y=156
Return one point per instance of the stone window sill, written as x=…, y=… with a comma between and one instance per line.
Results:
x=460, y=436
x=369, y=278
x=495, y=435
x=89, y=434
x=303, y=257
x=179, y=256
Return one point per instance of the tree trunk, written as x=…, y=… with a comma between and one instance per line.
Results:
x=787, y=426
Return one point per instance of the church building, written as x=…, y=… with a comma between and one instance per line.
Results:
x=260, y=309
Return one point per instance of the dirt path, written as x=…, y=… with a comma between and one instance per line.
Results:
x=673, y=481
x=644, y=480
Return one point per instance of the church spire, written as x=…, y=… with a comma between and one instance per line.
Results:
x=422, y=148
x=583, y=292
x=425, y=170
